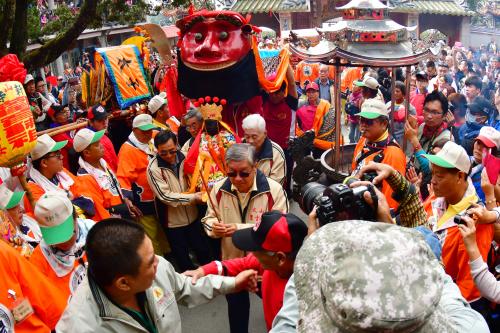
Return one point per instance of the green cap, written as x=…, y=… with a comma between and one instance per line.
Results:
x=9, y=199
x=54, y=213
x=60, y=233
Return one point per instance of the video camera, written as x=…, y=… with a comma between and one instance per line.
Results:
x=338, y=202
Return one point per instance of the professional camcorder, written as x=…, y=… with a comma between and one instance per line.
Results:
x=338, y=202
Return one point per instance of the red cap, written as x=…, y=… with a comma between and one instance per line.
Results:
x=275, y=232
x=312, y=85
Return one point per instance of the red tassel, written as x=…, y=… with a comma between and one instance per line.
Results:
x=169, y=85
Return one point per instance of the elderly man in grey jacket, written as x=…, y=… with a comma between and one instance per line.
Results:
x=130, y=289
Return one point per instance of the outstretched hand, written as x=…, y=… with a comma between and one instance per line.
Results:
x=246, y=280
x=195, y=274
x=383, y=171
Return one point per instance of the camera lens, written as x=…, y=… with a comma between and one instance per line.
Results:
x=309, y=193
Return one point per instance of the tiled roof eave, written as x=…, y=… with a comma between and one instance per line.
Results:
x=432, y=12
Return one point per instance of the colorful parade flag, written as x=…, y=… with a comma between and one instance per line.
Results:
x=126, y=72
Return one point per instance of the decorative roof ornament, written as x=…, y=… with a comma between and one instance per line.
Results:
x=365, y=34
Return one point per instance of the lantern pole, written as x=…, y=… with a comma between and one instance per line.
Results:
x=338, y=114
x=393, y=100
x=407, y=101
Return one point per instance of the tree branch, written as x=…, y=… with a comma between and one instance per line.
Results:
x=6, y=20
x=53, y=49
x=19, y=37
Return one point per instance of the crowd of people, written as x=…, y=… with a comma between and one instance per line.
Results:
x=125, y=220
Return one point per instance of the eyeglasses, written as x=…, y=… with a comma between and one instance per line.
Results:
x=41, y=85
x=433, y=113
x=192, y=126
x=243, y=174
x=168, y=152
x=56, y=154
x=366, y=121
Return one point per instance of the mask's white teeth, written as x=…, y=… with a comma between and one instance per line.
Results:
x=213, y=67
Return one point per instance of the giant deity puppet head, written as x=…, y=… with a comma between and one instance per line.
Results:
x=216, y=57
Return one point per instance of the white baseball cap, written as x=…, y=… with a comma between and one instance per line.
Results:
x=28, y=78
x=451, y=156
x=144, y=122
x=54, y=213
x=156, y=102
x=85, y=137
x=373, y=108
x=9, y=199
x=489, y=136
x=44, y=145
x=369, y=82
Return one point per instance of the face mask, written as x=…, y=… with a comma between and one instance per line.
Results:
x=472, y=119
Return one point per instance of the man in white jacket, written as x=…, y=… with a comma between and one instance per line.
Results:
x=130, y=289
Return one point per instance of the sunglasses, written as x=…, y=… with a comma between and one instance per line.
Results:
x=169, y=152
x=366, y=121
x=243, y=174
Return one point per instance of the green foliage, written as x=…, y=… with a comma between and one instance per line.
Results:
x=473, y=4
x=198, y=4
x=109, y=12
x=118, y=12
x=34, y=27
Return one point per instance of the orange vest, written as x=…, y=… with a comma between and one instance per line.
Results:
x=321, y=111
x=393, y=156
x=66, y=284
x=306, y=71
x=37, y=191
x=132, y=166
x=27, y=282
x=456, y=259
x=103, y=199
x=351, y=74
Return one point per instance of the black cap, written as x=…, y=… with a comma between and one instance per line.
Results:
x=480, y=105
x=97, y=112
x=275, y=232
x=422, y=76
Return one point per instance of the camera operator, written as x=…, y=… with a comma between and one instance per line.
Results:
x=376, y=277
x=411, y=214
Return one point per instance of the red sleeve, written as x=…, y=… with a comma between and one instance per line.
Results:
x=235, y=266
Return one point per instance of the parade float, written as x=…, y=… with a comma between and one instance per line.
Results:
x=365, y=36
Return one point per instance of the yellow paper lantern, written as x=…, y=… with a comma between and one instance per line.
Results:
x=17, y=126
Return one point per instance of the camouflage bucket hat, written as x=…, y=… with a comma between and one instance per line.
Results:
x=358, y=276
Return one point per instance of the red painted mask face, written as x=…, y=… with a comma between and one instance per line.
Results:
x=214, y=44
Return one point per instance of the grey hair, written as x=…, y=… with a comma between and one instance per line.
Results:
x=241, y=152
x=254, y=121
x=193, y=112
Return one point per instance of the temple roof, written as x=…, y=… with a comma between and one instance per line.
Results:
x=363, y=4
x=266, y=6
x=441, y=7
